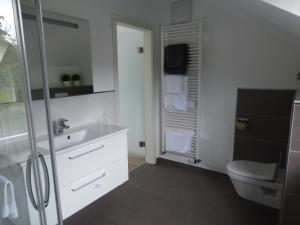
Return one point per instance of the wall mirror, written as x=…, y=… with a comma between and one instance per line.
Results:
x=68, y=51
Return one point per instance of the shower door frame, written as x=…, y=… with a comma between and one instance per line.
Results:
x=28, y=105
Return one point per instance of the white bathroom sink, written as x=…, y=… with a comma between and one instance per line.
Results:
x=69, y=140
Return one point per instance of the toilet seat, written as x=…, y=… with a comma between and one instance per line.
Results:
x=253, y=170
x=258, y=182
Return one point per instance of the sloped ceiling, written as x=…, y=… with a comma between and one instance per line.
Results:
x=282, y=14
x=291, y=6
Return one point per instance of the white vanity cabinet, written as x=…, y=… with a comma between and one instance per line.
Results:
x=81, y=193
x=85, y=173
x=89, y=172
x=82, y=161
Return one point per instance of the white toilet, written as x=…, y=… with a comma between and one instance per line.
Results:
x=258, y=182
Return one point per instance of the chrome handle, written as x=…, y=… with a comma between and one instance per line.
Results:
x=47, y=179
x=85, y=153
x=29, y=179
x=29, y=185
x=88, y=183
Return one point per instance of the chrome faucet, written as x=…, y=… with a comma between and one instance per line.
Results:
x=59, y=126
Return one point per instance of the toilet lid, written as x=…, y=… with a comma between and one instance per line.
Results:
x=255, y=170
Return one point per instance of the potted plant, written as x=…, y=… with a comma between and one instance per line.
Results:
x=65, y=80
x=76, y=79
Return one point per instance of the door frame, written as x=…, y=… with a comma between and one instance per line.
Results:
x=150, y=154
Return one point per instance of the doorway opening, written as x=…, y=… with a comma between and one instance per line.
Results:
x=133, y=81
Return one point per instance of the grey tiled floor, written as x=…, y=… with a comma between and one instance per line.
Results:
x=174, y=194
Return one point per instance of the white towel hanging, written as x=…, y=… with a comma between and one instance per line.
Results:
x=178, y=142
x=7, y=199
x=173, y=84
x=176, y=102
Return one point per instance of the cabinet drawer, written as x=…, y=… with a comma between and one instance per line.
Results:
x=78, y=163
x=81, y=193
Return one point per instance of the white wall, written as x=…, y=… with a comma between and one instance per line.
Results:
x=238, y=51
x=79, y=110
x=131, y=86
x=98, y=13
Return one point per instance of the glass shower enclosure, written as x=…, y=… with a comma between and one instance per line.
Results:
x=28, y=178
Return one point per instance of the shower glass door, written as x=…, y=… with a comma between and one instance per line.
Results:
x=28, y=188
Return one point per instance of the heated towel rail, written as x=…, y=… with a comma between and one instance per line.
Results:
x=191, y=34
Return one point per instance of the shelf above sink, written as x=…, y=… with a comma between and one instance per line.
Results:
x=62, y=92
x=37, y=94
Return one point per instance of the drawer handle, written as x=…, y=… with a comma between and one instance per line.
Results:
x=88, y=183
x=85, y=153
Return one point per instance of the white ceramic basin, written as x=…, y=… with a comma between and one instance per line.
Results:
x=69, y=140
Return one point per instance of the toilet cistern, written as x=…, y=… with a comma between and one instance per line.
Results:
x=60, y=125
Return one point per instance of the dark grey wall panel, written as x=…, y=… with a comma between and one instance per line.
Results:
x=265, y=102
x=257, y=150
x=291, y=210
x=295, y=138
x=293, y=175
x=266, y=128
x=268, y=113
x=290, y=214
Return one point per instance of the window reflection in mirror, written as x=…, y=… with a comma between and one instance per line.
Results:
x=12, y=108
x=10, y=80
